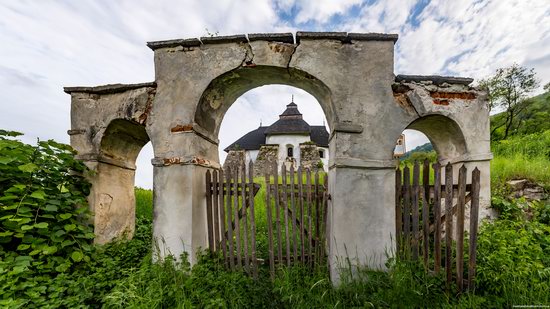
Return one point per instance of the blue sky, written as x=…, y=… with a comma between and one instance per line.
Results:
x=45, y=45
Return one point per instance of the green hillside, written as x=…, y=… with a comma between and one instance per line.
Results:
x=535, y=118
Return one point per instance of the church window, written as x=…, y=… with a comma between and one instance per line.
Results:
x=321, y=154
x=290, y=151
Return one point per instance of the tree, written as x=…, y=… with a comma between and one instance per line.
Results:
x=547, y=87
x=508, y=89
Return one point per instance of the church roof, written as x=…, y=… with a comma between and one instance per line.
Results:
x=250, y=141
x=290, y=122
x=319, y=136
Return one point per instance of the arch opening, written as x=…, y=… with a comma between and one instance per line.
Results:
x=115, y=207
x=228, y=87
x=444, y=134
x=292, y=129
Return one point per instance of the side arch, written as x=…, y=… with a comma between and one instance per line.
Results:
x=445, y=135
x=113, y=197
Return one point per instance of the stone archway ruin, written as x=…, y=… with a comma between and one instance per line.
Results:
x=197, y=80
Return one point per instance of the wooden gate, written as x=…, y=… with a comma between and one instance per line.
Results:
x=296, y=213
x=291, y=217
x=420, y=217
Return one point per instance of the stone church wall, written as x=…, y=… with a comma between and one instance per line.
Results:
x=235, y=159
x=266, y=159
x=309, y=156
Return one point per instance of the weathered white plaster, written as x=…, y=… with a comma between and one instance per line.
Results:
x=351, y=76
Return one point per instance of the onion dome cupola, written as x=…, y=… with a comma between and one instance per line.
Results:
x=290, y=122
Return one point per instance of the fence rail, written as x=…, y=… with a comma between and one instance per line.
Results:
x=420, y=218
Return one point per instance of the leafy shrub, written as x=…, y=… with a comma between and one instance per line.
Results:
x=44, y=224
x=320, y=164
x=514, y=262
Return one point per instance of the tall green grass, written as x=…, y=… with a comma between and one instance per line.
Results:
x=144, y=203
x=518, y=157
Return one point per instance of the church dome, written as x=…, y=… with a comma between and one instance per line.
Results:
x=290, y=122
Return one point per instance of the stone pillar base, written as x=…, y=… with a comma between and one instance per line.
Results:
x=361, y=219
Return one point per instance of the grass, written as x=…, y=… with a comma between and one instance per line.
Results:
x=513, y=269
x=519, y=157
x=144, y=203
x=518, y=167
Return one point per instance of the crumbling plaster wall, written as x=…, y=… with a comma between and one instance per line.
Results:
x=108, y=129
x=367, y=108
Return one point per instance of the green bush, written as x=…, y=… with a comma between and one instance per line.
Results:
x=44, y=224
x=514, y=262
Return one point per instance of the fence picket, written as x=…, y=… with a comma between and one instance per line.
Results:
x=437, y=217
x=215, y=186
x=443, y=219
x=460, y=227
x=415, y=209
x=222, y=217
x=237, y=226
x=209, y=211
x=269, y=223
x=293, y=207
x=398, y=211
x=278, y=213
x=229, y=219
x=324, y=204
x=317, y=220
x=301, y=206
x=425, y=211
x=231, y=225
x=310, y=218
x=285, y=213
x=406, y=209
x=448, y=221
x=244, y=213
x=253, y=219
x=474, y=213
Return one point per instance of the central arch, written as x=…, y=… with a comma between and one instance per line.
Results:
x=224, y=90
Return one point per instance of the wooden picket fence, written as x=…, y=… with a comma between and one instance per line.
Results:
x=231, y=217
x=296, y=207
x=295, y=210
x=420, y=217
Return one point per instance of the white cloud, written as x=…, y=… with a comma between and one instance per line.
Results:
x=319, y=11
x=45, y=45
x=414, y=138
x=473, y=38
x=383, y=16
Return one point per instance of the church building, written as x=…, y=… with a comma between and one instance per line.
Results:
x=290, y=141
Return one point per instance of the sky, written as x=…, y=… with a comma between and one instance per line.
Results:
x=46, y=44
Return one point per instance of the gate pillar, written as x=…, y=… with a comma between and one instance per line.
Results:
x=179, y=220
x=361, y=218
x=179, y=216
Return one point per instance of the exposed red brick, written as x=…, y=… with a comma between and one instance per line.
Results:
x=170, y=161
x=441, y=102
x=182, y=128
x=198, y=160
x=453, y=95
